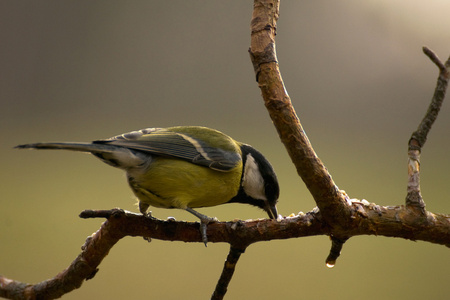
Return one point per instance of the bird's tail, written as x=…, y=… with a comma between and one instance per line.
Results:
x=82, y=147
x=116, y=156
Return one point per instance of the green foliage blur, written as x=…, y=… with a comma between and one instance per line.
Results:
x=83, y=70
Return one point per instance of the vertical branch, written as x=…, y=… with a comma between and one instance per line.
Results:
x=419, y=137
x=227, y=273
x=328, y=197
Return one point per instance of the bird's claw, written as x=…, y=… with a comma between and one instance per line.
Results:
x=148, y=215
x=203, y=226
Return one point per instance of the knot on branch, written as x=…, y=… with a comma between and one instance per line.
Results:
x=414, y=200
x=268, y=55
x=416, y=141
x=257, y=28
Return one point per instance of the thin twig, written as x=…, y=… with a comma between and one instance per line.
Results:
x=227, y=273
x=419, y=137
x=434, y=58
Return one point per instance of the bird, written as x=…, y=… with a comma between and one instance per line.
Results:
x=185, y=167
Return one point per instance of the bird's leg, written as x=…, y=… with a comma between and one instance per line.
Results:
x=204, y=221
x=143, y=209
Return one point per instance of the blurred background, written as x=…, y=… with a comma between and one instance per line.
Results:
x=84, y=70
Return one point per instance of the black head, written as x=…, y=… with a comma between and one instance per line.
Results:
x=259, y=184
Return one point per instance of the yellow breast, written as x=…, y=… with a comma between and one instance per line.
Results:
x=173, y=183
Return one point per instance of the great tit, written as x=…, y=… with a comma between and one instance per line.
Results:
x=186, y=167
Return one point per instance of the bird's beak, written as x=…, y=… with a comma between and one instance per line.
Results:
x=271, y=210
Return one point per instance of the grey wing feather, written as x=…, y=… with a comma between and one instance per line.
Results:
x=162, y=142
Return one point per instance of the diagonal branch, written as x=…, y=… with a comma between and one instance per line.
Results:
x=327, y=195
x=84, y=267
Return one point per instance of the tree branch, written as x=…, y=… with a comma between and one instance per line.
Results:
x=227, y=273
x=327, y=195
x=367, y=219
x=84, y=267
x=331, y=201
x=335, y=251
x=419, y=137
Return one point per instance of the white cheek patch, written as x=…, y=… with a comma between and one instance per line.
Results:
x=252, y=181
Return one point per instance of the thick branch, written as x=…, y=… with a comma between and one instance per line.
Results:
x=328, y=197
x=367, y=219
